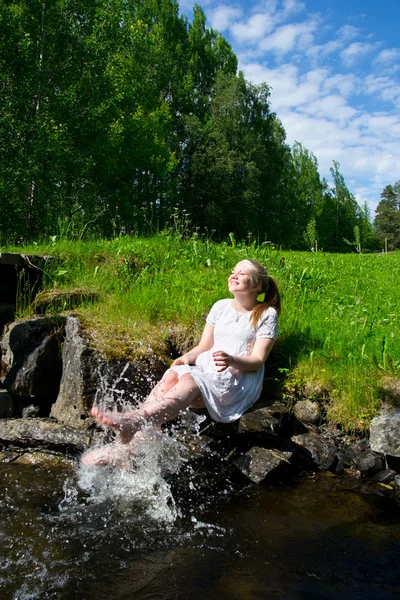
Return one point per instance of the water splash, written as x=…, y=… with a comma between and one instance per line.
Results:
x=134, y=480
x=112, y=391
x=139, y=485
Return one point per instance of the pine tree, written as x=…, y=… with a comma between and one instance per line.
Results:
x=387, y=217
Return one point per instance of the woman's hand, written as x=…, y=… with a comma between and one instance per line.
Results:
x=222, y=360
x=181, y=360
x=206, y=343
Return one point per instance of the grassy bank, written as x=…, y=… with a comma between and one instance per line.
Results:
x=339, y=329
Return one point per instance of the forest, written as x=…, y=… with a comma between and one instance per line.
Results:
x=118, y=115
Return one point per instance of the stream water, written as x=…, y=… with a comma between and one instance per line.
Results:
x=68, y=532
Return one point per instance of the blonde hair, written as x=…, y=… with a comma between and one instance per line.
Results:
x=269, y=288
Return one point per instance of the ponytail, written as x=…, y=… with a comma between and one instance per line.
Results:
x=272, y=298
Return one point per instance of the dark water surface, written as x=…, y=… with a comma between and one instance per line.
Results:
x=317, y=538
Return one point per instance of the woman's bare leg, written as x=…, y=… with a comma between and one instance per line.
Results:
x=129, y=422
x=167, y=407
x=169, y=379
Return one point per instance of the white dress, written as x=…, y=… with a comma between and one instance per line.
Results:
x=227, y=395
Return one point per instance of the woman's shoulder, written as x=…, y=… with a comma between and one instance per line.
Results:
x=223, y=303
x=267, y=325
x=218, y=309
x=221, y=306
x=269, y=314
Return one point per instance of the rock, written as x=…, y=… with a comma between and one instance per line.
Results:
x=44, y=458
x=331, y=431
x=258, y=463
x=358, y=456
x=320, y=449
x=20, y=275
x=369, y=463
x=385, y=432
x=390, y=390
x=79, y=380
x=31, y=358
x=362, y=445
x=397, y=484
x=264, y=419
x=31, y=411
x=6, y=405
x=307, y=411
x=43, y=433
x=385, y=476
x=124, y=382
x=40, y=374
x=7, y=312
x=87, y=376
x=392, y=462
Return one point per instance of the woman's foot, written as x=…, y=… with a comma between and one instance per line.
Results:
x=125, y=423
x=115, y=455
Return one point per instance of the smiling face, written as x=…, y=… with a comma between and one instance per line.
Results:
x=241, y=279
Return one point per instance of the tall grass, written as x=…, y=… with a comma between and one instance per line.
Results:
x=339, y=329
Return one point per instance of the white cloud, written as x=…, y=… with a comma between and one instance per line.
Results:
x=223, y=16
x=254, y=28
x=315, y=110
x=322, y=50
x=348, y=32
x=331, y=107
x=392, y=95
x=292, y=7
x=289, y=37
x=345, y=84
x=384, y=125
x=286, y=90
x=385, y=87
x=289, y=88
x=389, y=55
x=377, y=84
x=330, y=141
x=356, y=51
x=344, y=34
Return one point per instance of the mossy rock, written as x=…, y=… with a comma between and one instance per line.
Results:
x=390, y=390
x=56, y=301
x=36, y=458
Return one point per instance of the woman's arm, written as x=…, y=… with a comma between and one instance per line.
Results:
x=259, y=354
x=206, y=343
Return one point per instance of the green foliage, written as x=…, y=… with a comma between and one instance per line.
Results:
x=114, y=113
x=387, y=217
x=357, y=239
x=305, y=198
x=226, y=158
x=345, y=209
x=311, y=235
x=385, y=363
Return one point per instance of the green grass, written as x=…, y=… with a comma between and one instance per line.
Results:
x=339, y=329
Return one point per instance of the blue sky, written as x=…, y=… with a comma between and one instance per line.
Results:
x=334, y=70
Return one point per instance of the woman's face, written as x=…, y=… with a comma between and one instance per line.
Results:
x=240, y=279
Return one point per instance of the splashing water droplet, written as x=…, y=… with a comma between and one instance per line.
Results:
x=140, y=482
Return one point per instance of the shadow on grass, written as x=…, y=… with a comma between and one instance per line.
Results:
x=283, y=359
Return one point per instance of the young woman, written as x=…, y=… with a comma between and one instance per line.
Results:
x=223, y=373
